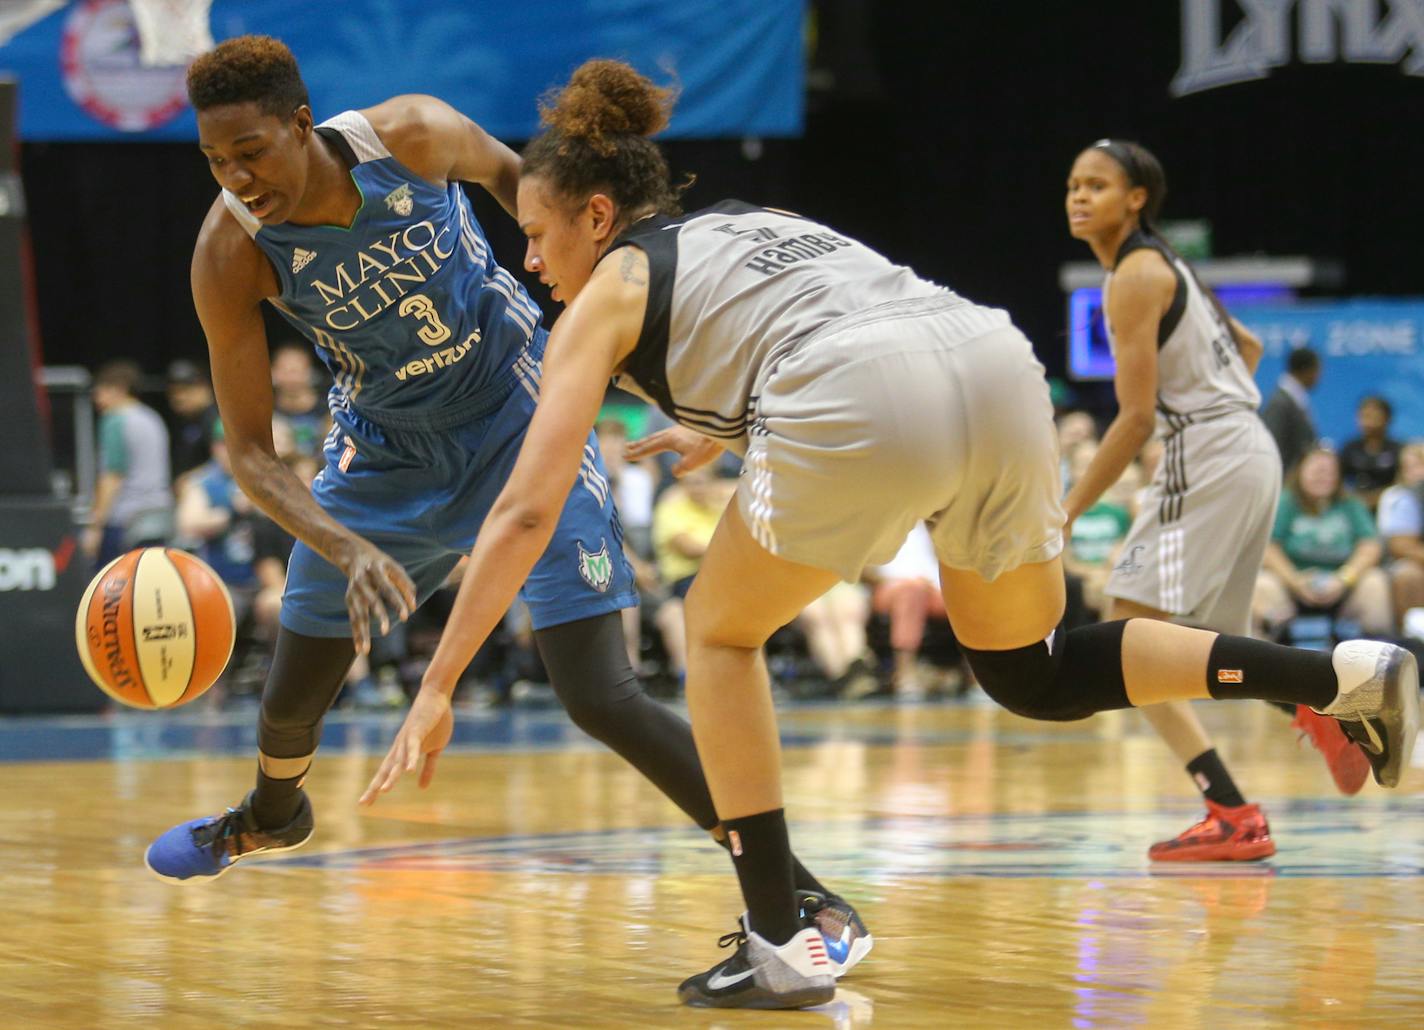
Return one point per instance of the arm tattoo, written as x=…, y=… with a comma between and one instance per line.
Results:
x=629, y=269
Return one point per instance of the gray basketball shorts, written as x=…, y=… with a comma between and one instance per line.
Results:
x=931, y=409
x=1196, y=545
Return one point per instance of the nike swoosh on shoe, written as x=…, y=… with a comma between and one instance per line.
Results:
x=717, y=981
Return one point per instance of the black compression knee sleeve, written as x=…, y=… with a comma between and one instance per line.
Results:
x=587, y=662
x=307, y=673
x=1070, y=676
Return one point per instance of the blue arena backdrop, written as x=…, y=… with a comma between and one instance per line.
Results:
x=1367, y=346
x=740, y=64
x=1089, y=354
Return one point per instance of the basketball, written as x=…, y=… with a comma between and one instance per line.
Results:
x=155, y=628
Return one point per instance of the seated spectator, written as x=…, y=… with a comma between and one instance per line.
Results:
x=133, y=498
x=835, y=628
x=1401, y=526
x=195, y=413
x=684, y=519
x=1370, y=462
x=215, y=520
x=633, y=487
x=907, y=590
x=1073, y=428
x=295, y=396
x=1324, y=553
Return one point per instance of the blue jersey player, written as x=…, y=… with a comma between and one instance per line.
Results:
x=358, y=232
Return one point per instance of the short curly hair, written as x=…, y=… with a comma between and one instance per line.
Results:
x=248, y=69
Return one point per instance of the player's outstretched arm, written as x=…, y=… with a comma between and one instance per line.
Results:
x=439, y=143
x=230, y=277
x=594, y=336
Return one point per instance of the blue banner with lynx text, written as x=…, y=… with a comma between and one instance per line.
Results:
x=739, y=64
x=1365, y=346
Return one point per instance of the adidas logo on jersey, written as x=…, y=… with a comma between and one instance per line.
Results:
x=301, y=257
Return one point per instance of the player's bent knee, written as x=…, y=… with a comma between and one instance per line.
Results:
x=1069, y=676
x=600, y=709
x=711, y=624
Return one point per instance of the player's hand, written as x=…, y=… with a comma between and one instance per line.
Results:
x=693, y=449
x=425, y=733
x=377, y=588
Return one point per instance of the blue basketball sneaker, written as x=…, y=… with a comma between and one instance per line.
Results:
x=847, y=939
x=204, y=849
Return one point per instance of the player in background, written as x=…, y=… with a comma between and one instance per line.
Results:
x=1184, y=370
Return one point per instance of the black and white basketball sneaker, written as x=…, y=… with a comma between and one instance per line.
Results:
x=762, y=975
x=1378, y=703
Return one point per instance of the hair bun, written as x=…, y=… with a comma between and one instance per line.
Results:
x=606, y=99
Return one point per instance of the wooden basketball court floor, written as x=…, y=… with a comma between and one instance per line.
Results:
x=540, y=882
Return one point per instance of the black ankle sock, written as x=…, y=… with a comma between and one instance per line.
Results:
x=1212, y=779
x=804, y=881
x=800, y=875
x=275, y=802
x=1239, y=667
x=762, y=854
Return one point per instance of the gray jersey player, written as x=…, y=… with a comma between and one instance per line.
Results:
x=1184, y=368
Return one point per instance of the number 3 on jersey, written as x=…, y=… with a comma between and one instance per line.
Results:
x=434, y=331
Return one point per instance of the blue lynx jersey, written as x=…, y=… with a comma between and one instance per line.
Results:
x=420, y=328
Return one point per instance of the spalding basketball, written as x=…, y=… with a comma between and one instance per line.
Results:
x=155, y=628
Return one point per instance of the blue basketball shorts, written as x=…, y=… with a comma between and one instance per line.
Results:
x=421, y=496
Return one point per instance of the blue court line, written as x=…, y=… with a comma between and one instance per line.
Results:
x=650, y=850
x=127, y=735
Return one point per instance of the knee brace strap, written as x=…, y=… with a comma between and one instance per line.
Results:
x=1071, y=675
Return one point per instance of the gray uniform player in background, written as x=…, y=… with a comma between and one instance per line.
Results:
x=864, y=398
x=1184, y=368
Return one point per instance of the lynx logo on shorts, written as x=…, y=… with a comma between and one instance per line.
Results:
x=596, y=568
x=1130, y=566
x=400, y=201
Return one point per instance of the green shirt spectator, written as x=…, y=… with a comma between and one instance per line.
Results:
x=1323, y=540
x=1097, y=531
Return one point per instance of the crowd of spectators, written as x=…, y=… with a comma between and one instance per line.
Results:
x=1346, y=557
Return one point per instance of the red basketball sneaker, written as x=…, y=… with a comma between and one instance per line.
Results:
x=1238, y=834
x=1348, y=764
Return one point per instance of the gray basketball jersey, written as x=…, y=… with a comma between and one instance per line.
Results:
x=1200, y=374
x=734, y=289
